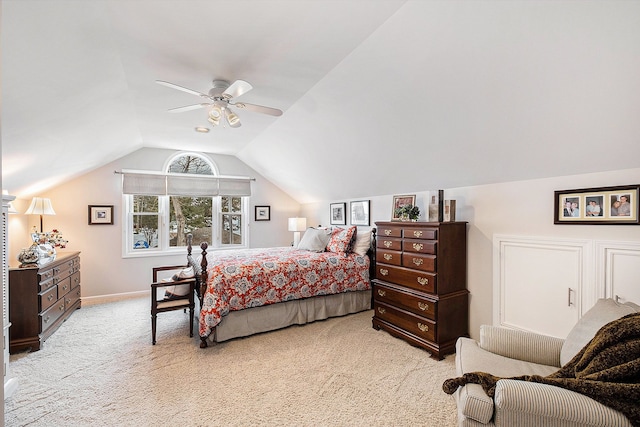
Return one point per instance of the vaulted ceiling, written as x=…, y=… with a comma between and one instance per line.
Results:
x=379, y=96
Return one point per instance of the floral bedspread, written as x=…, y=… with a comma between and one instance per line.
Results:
x=254, y=277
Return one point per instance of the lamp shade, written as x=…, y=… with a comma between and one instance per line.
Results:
x=40, y=206
x=297, y=224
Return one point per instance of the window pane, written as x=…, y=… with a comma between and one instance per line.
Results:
x=189, y=215
x=224, y=203
x=145, y=231
x=145, y=203
x=236, y=221
x=231, y=230
x=190, y=164
x=236, y=204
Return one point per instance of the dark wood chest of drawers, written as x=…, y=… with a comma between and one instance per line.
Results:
x=419, y=290
x=41, y=297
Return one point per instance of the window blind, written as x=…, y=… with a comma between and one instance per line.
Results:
x=152, y=184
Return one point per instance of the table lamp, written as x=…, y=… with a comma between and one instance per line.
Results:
x=40, y=206
x=297, y=225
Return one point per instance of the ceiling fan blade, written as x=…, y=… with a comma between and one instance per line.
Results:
x=236, y=89
x=258, y=109
x=188, y=108
x=184, y=89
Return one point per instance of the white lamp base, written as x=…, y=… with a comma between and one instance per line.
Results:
x=296, y=239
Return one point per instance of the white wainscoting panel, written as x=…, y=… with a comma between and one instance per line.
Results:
x=538, y=283
x=618, y=270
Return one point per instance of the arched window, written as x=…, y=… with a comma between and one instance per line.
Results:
x=160, y=223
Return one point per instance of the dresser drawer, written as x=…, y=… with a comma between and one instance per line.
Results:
x=46, y=284
x=402, y=299
x=64, y=286
x=72, y=297
x=416, y=325
x=419, y=261
x=75, y=279
x=48, y=298
x=421, y=281
x=419, y=246
x=420, y=233
x=49, y=317
x=390, y=243
x=389, y=257
x=389, y=232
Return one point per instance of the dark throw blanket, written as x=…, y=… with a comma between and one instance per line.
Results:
x=607, y=370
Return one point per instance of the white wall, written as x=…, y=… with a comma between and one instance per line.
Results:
x=103, y=270
x=523, y=208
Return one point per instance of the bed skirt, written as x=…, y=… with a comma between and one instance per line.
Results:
x=255, y=320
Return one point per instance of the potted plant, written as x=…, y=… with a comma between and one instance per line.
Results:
x=408, y=213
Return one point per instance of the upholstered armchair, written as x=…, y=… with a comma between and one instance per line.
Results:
x=505, y=352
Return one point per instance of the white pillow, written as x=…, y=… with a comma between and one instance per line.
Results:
x=362, y=243
x=314, y=240
x=178, y=291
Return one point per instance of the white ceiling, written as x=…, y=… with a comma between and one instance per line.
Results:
x=379, y=97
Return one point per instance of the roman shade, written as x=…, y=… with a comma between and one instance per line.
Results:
x=146, y=183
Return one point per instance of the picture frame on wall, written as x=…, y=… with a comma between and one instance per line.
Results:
x=100, y=214
x=359, y=212
x=596, y=206
x=400, y=201
x=337, y=213
x=263, y=213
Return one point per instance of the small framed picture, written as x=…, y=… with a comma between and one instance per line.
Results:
x=602, y=205
x=400, y=201
x=359, y=212
x=263, y=213
x=100, y=214
x=337, y=213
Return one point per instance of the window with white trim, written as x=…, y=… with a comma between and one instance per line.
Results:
x=162, y=208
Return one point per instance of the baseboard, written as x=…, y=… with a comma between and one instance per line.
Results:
x=103, y=299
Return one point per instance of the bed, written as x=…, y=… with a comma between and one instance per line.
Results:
x=249, y=291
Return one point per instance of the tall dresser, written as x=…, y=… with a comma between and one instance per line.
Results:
x=419, y=290
x=41, y=297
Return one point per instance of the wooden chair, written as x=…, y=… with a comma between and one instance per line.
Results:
x=175, y=303
x=163, y=305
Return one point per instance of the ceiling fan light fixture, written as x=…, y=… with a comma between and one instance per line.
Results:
x=232, y=118
x=215, y=113
x=202, y=129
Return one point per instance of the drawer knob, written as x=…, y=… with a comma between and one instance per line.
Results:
x=388, y=257
x=423, y=281
x=381, y=292
x=387, y=243
x=64, y=288
x=417, y=261
x=61, y=308
x=422, y=306
x=50, y=297
x=418, y=246
x=381, y=310
x=387, y=232
x=423, y=327
x=46, y=319
x=417, y=233
x=384, y=271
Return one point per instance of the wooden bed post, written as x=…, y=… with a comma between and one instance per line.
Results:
x=203, y=282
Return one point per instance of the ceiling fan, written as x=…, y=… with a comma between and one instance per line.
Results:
x=219, y=100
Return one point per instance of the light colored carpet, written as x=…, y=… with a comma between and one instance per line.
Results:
x=100, y=368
